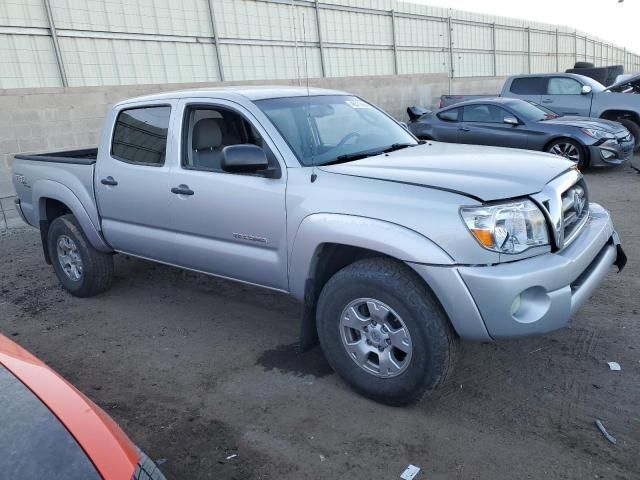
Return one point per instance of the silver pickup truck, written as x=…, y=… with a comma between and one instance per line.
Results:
x=396, y=248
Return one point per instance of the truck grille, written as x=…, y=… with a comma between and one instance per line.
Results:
x=575, y=211
x=565, y=201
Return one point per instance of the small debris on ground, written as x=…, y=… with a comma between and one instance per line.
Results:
x=410, y=472
x=606, y=434
x=614, y=366
x=160, y=461
x=232, y=456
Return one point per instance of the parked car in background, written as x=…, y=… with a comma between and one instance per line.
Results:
x=395, y=248
x=510, y=122
x=572, y=94
x=49, y=430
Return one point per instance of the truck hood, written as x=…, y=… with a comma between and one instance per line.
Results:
x=483, y=173
x=586, y=122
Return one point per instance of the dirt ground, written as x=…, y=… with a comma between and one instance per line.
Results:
x=196, y=369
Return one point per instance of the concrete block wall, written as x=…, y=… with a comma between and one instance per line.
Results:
x=49, y=119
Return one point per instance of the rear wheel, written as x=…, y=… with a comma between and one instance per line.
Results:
x=384, y=333
x=634, y=129
x=569, y=149
x=81, y=269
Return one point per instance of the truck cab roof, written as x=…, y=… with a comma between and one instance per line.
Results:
x=251, y=93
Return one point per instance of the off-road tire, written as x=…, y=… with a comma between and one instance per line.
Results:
x=634, y=128
x=97, y=274
x=435, y=344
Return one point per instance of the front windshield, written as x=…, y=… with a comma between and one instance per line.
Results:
x=325, y=128
x=532, y=112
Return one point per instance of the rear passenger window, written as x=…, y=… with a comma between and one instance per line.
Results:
x=529, y=86
x=449, y=115
x=140, y=135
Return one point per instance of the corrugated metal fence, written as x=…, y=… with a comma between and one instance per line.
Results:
x=47, y=43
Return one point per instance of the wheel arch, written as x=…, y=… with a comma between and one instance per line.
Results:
x=585, y=150
x=326, y=243
x=54, y=200
x=615, y=114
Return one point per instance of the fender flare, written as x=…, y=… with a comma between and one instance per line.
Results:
x=378, y=235
x=45, y=189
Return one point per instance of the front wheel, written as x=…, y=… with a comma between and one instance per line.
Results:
x=634, y=129
x=81, y=269
x=569, y=149
x=384, y=333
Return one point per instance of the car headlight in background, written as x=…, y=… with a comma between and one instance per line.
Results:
x=598, y=134
x=508, y=228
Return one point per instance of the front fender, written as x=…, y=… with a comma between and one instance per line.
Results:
x=355, y=231
x=44, y=189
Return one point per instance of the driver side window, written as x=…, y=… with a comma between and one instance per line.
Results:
x=208, y=130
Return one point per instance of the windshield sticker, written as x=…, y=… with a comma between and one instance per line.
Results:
x=358, y=104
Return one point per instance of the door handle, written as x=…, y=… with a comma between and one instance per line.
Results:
x=182, y=190
x=547, y=100
x=109, y=181
x=464, y=129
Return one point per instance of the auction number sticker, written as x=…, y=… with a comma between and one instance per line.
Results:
x=358, y=104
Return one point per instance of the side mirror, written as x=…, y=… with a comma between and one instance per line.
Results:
x=586, y=90
x=245, y=158
x=511, y=121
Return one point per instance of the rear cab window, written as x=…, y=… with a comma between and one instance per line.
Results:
x=140, y=135
x=529, y=86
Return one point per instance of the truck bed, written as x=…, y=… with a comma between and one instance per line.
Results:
x=84, y=156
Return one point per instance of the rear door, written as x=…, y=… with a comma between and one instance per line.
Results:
x=229, y=224
x=527, y=88
x=132, y=180
x=564, y=96
x=483, y=124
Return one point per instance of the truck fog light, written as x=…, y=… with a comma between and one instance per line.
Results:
x=606, y=154
x=515, y=306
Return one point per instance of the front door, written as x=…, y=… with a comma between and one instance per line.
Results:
x=483, y=124
x=564, y=96
x=132, y=180
x=227, y=224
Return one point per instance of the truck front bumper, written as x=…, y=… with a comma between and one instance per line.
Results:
x=531, y=296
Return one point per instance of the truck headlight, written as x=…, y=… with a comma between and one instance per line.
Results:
x=507, y=228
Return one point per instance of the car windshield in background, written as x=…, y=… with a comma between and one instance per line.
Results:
x=328, y=128
x=532, y=112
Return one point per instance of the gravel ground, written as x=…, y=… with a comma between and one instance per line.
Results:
x=197, y=369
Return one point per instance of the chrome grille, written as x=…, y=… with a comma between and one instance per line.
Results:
x=565, y=202
x=575, y=210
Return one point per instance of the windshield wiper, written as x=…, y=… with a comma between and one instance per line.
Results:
x=348, y=157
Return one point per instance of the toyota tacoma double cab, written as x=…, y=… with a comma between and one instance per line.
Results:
x=396, y=248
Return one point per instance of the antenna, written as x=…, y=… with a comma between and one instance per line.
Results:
x=306, y=75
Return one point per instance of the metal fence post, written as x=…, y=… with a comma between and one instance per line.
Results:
x=320, y=43
x=214, y=31
x=585, y=48
x=395, y=42
x=451, y=68
x=529, y=49
x=493, y=44
x=557, y=53
x=56, y=45
x=575, y=46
